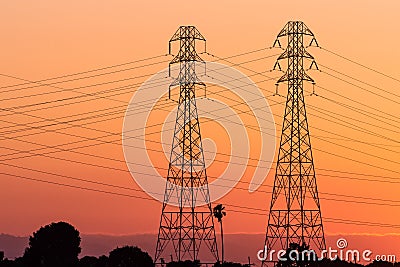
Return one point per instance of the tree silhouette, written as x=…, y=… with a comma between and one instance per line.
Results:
x=377, y=263
x=303, y=260
x=229, y=264
x=91, y=261
x=54, y=245
x=102, y=261
x=219, y=213
x=187, y=263
x=129, y=257
x=88, y=261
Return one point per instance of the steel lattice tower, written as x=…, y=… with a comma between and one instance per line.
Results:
x=295, y=212
x=187, y=226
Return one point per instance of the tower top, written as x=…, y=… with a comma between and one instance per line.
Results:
x=187, y=35
x=295, y=50
x=190, y=32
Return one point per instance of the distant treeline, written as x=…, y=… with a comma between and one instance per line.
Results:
x=58, y=245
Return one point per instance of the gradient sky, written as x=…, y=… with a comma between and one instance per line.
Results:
x=42, y=39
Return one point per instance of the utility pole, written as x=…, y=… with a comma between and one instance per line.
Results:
x=295, y=214
x=186, y=225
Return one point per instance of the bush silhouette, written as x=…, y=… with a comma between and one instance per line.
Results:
x=54, y=245
x=186, y=263
x=229, y=264
x=129, y=257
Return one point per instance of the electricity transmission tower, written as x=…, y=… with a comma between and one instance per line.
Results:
x=186, y=226
x=295, y=212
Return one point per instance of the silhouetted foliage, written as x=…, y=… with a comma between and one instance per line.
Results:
x=186, y=263
x=103, y=261
x=219, y=213
x=18, y=262
x=129, y=257
x=333, y=263
x=54, y=245
x=301, y=255
x=229, y=264
x=58, y=245
x=380, y=264
x=90, y=261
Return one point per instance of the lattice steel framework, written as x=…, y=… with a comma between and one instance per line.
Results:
x=187, y=226
x=295, y=212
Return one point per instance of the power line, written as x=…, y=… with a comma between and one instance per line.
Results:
x=360, y=111
x=39, y=84
x=107, y=67
x=90, y=139
x=360, y=81
x=108, y=133
x=322, y=169
x=62, y=90
x=85, y=95
x=138, y=190
x=160, y=81
x=351, y=126
x=243, y=53
x=318, y=109
x=236, y=187
x=225, y=118
x=222, y=161
x=360, y=87
x=353, y=150
x=365, y=223
x=270, y=77
x=324, y=88
x=96, y=129
x=123, y=87
x=359, y=64
x=72, y=74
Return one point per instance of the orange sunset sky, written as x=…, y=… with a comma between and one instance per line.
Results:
x=44, y=39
